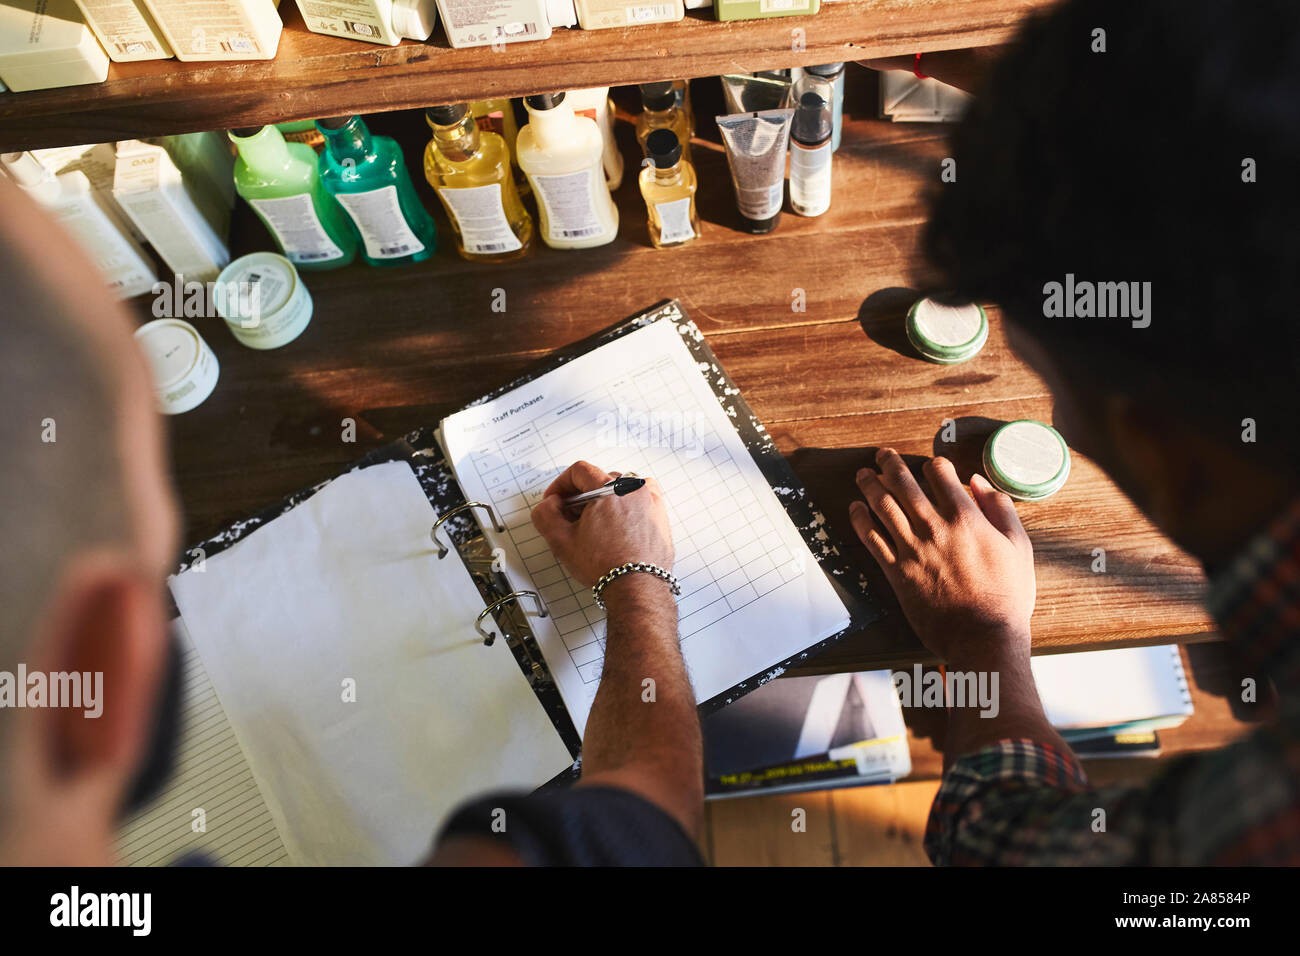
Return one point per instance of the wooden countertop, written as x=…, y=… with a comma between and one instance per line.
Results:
x=398, y=348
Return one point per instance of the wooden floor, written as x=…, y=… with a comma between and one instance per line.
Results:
x=858, y=826
x=394, y=349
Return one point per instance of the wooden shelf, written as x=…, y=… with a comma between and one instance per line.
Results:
x=314, y=75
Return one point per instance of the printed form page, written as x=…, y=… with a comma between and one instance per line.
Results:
x=752, y=594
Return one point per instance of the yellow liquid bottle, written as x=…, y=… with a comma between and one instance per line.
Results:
x=470, y=171
x=660, y=110
x=668, y=186
x=498, y=116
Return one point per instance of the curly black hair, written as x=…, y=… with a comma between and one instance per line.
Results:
x=1131, y=165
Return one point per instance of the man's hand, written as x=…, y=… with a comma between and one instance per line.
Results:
x=962, y=568
x=651, y=747
x=608, y=531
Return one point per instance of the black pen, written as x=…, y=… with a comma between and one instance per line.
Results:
x=622, y=485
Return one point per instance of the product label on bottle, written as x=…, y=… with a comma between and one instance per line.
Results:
x=481, y=218
x=566, y=200
x=782, y=6
x=651, y=12
x=484, y=22
x=675, y=221
x=762, y=202
x=124, y=30
x=218, y=30
x=297, y=228
x=810, y=178
x=354, y=19
x=379, y=219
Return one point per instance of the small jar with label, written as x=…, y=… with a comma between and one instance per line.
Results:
x=263, y=301
x=183, y=367
x=1027, y=459
x=947, y=334
x=668, y=186
x=470, y=171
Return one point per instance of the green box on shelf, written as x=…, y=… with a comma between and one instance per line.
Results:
x=762, y=9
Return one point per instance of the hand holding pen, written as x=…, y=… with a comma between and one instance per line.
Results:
x=610, y=521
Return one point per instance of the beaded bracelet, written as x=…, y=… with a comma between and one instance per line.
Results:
x=614, y=573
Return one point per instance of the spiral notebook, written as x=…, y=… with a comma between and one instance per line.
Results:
x=764, y=586
x=1091, y=694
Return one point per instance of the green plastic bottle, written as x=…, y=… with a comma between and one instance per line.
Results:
x=281, y=182
x=368, y=177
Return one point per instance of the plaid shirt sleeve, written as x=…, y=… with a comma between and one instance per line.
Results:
x=1003, y=802
x=1019, y=802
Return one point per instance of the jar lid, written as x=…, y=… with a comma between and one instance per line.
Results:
x=414, y=19
x=947, y=334
x=1027, y=459
x=254, y=286
x=183, y=368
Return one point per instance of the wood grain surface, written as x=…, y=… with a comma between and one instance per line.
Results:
x=393, y=349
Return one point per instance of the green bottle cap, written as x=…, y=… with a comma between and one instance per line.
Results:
x=947, y=334
x=1027, y=459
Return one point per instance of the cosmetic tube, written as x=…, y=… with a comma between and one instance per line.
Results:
x=756, y=145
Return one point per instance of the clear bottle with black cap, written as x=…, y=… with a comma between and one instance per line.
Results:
x=668, y=185
x=368, y=176
x=811, y=147
x=834, y=73
x=561, y=153
x=470, y=171
x=661, y=109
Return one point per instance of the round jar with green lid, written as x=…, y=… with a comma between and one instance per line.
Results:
x=1027, y=459
x=947, y=334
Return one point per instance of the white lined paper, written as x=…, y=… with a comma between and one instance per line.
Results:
x=211, y=774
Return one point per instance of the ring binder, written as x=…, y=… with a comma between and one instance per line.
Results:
x=488, y=636
x=443, y=550
x=423, y=451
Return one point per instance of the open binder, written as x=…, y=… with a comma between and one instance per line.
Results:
x=464, y=528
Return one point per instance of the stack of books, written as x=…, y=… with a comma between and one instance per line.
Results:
x=847, y=730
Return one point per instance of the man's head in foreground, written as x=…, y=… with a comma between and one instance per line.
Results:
x=1144, y=156
x=90, y=530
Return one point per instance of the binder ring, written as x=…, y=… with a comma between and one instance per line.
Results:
x=433, y=534
x=488, y=636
